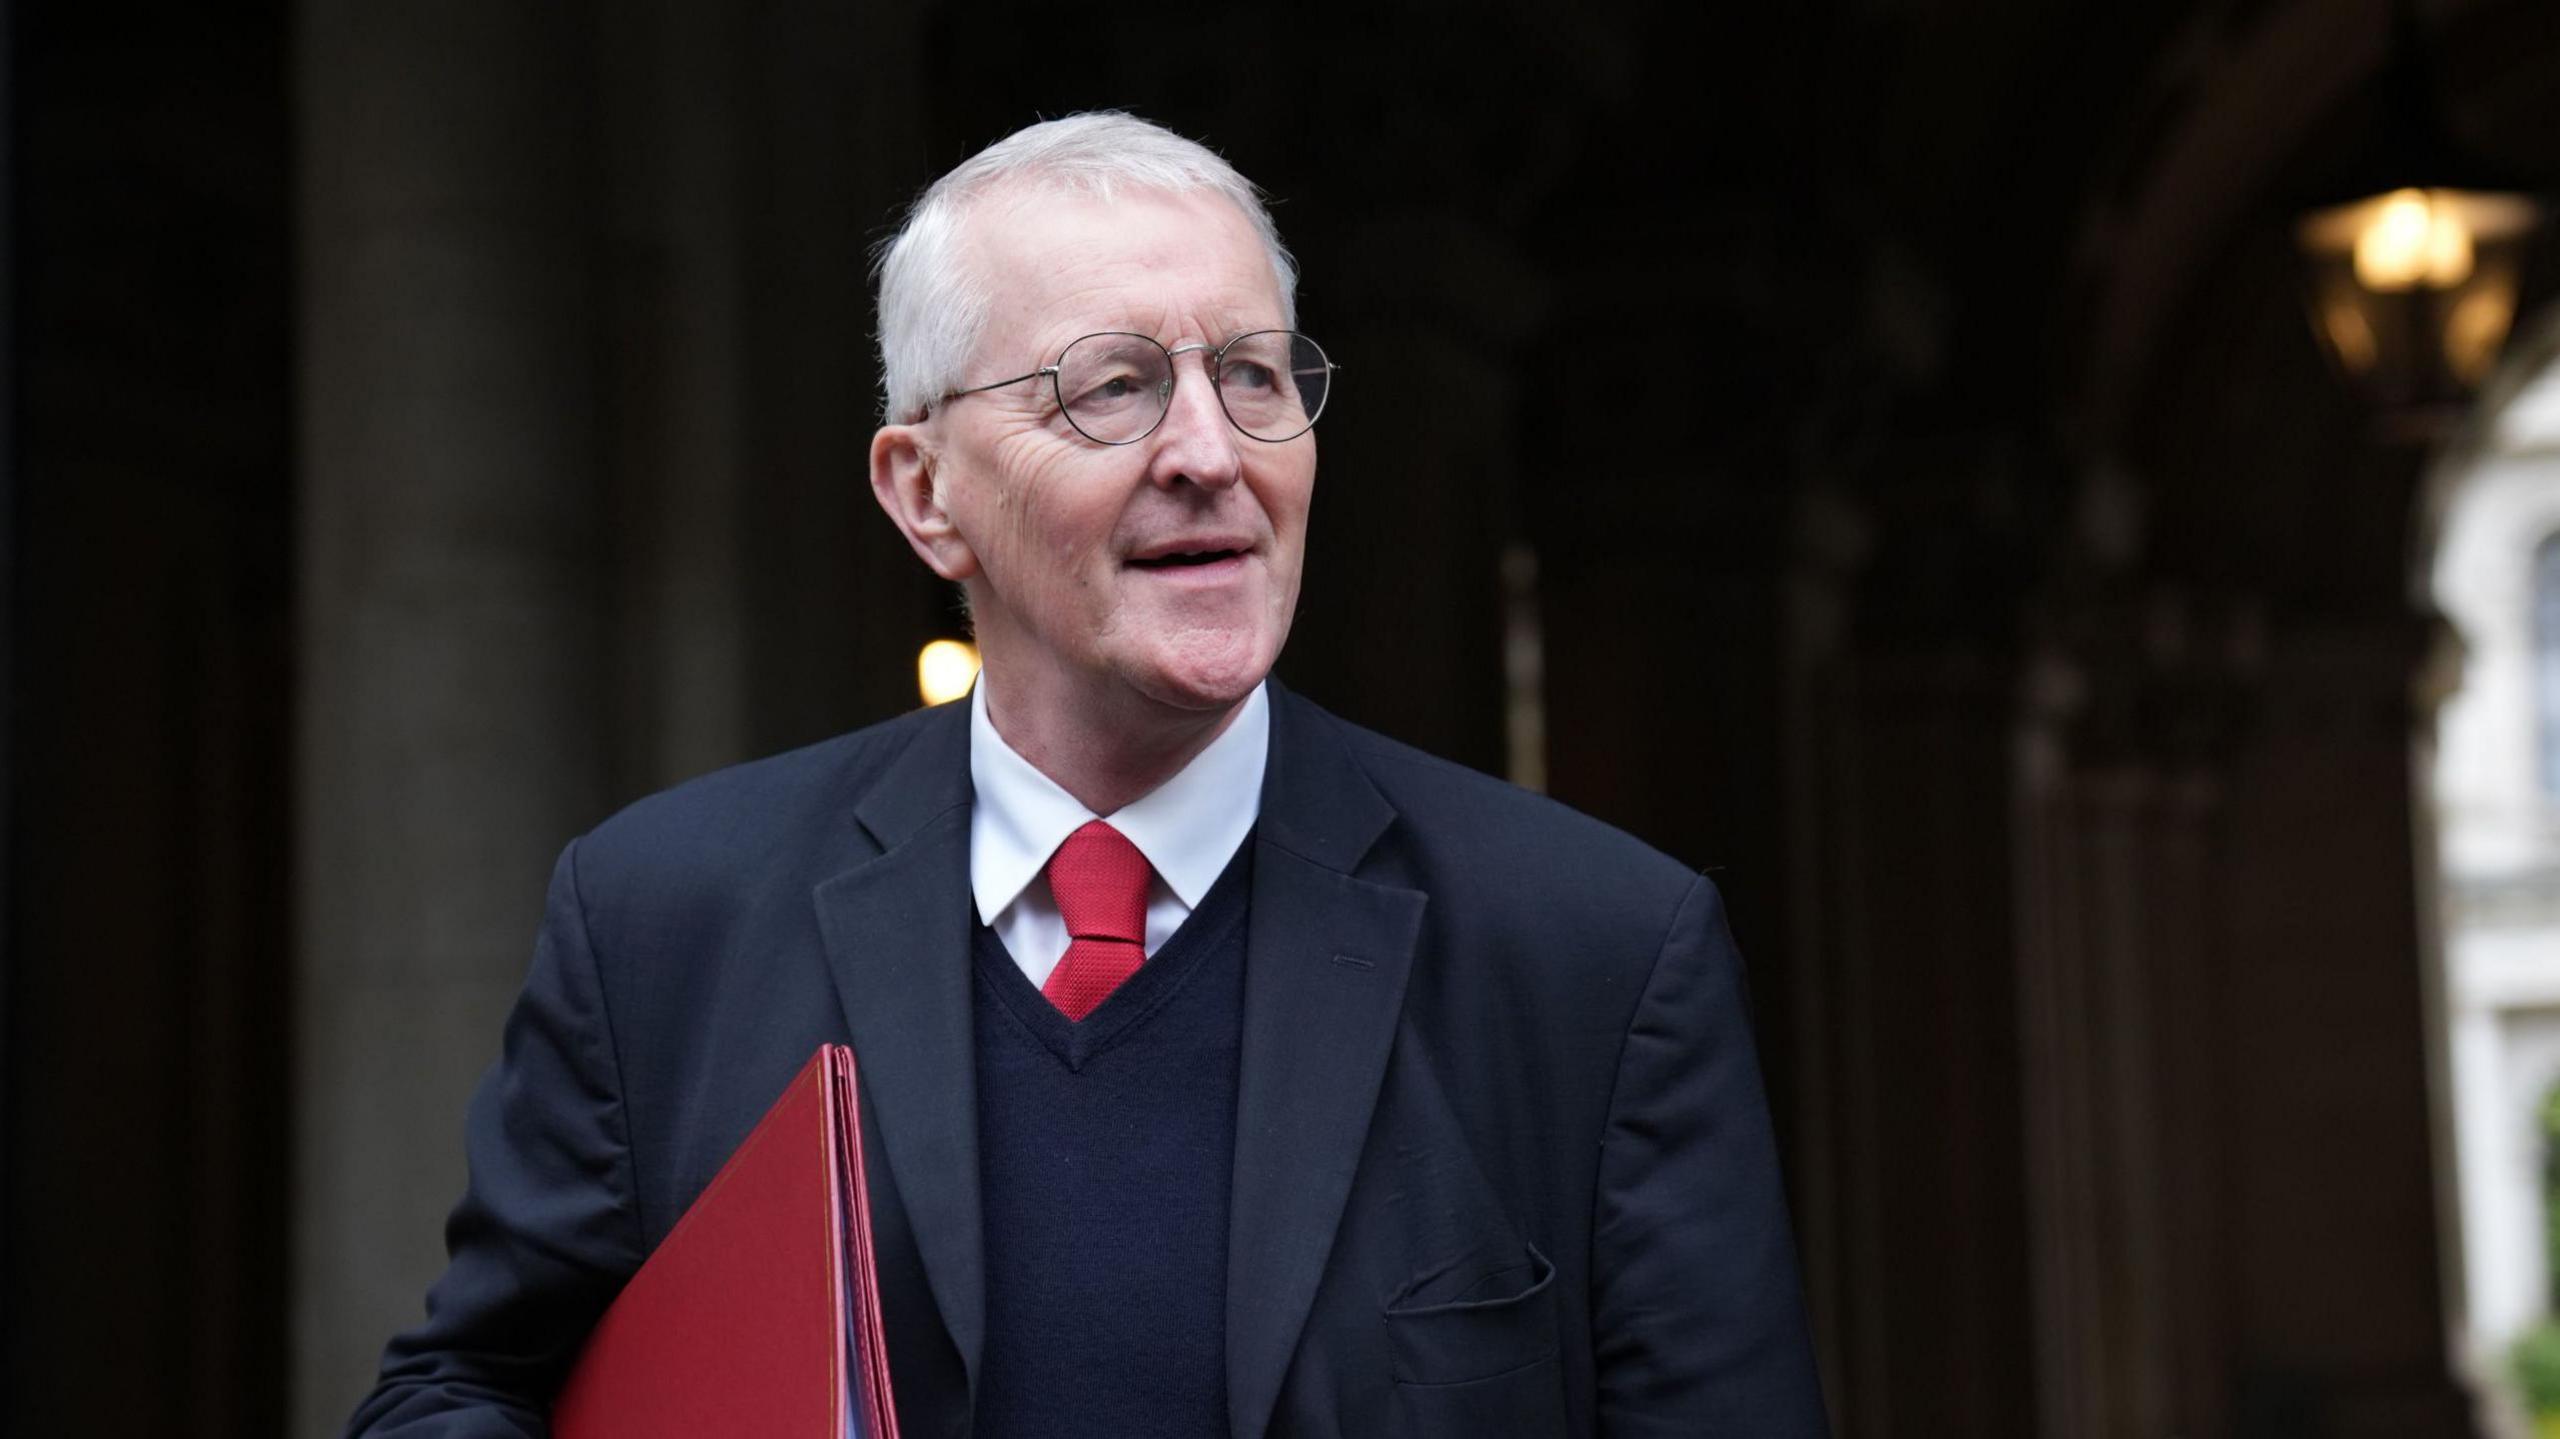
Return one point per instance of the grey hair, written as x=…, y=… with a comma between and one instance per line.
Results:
x=933, y=303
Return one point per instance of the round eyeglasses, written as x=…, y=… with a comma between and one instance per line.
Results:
x=1115, y=387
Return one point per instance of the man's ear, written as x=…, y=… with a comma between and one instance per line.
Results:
x=906, y=479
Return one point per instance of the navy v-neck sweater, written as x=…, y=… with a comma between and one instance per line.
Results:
x=1105, y=1151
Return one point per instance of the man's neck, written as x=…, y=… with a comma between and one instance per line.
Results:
x=1107, y=756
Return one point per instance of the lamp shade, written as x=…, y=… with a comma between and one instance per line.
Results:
x=2412, y=290
x=2415, y=260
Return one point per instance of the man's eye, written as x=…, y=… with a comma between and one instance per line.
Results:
x=1111, y=389
x=1248, y=375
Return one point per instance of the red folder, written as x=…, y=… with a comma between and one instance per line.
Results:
x=760, y=1313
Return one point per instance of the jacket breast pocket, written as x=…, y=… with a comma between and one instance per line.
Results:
x=1479, y=1357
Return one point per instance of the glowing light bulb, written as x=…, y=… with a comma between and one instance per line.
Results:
x=2413, y=240
x=945, y=669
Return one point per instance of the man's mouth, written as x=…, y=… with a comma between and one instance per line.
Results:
x=1184, y=559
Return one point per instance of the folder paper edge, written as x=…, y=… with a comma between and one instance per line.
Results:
x=866, y=1335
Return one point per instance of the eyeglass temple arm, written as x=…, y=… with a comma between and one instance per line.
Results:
x=1048, y=370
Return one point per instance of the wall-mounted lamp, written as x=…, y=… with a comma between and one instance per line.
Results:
x=2413, y=290
x=945, y=669
x=2415, y=272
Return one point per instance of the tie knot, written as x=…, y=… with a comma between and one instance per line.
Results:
x=1100, y=882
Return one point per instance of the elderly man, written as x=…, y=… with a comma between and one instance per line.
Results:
x=1227, y=1069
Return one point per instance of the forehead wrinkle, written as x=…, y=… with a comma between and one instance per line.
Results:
x=1096, y=310
x=1100, y=281
x=1221, y=319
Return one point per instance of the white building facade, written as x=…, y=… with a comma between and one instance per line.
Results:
x=2496, y=789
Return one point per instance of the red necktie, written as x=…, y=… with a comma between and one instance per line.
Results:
x=1100, y=881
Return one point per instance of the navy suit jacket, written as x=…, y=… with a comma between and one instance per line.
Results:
x=1502, y=1160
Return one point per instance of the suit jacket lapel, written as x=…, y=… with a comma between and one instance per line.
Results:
x=897, y=933
x=1326, y=956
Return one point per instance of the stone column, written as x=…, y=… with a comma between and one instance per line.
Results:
x=2338, y=1290
x=451, y=634
x=2127, y=717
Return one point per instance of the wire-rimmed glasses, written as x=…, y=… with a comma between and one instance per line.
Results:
x=1115, y=387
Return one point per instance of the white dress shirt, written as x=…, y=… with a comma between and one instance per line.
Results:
x=1188, y=828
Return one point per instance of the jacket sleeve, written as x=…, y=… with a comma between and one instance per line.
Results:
x=1697, y=1313
x=547, y=1230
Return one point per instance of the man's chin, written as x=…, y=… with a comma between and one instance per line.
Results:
x=1206, y=683
x=1201, y=695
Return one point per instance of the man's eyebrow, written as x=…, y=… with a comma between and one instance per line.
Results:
x=1151, y=324
x=1157, y=324
x=1232, y=323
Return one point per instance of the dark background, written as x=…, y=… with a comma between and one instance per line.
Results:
x=1944, y=530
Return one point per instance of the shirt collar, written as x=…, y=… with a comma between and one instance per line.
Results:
x=1188, y=827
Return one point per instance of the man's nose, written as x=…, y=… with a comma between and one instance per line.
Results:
x=1199, y=445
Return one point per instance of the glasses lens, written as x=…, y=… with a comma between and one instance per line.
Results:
x=1273, y=383
x=1114, y=387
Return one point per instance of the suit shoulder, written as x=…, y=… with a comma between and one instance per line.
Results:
x=799, y=802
